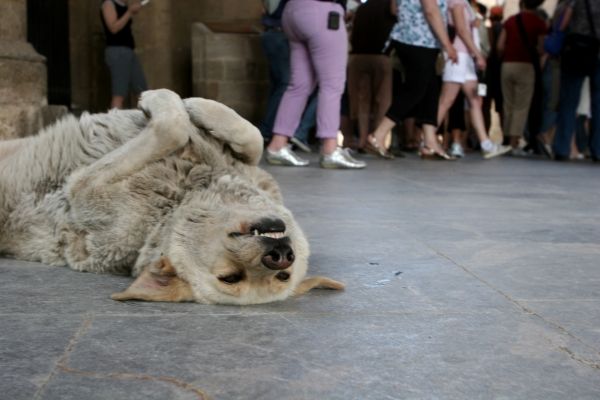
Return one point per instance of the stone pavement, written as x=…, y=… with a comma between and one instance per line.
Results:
x=466, y=280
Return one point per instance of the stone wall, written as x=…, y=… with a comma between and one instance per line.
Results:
x=163, y=38
x=22, y=75
x=229, y=68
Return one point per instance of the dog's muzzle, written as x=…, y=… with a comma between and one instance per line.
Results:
x=278, y=253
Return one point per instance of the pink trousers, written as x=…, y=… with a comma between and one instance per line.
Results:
x=318, y=56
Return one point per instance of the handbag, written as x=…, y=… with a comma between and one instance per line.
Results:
x=553, y=43
x=580, y=52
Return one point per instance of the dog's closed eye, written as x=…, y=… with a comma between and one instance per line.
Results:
x=232, y=278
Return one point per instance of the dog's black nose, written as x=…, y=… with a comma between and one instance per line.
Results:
x=278, y=256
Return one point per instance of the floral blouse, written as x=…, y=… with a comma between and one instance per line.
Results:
x=412, y=27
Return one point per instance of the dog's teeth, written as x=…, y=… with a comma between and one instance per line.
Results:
x=255, y=233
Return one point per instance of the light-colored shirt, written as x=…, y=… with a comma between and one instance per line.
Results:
x=412, y=27
x=469, y=20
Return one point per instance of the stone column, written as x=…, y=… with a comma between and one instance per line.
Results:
x=22, y=74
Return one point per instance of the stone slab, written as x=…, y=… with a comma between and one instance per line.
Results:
x=471, y=279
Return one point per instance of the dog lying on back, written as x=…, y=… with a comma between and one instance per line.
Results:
x=170, y=194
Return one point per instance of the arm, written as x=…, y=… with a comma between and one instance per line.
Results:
x=109, y=14
x=394, y=7
x=458, y=15
x=501, y=42
x=566, y=19
x=436, y=22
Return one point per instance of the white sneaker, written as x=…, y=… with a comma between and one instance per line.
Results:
x=456, y=150
x=496, y=151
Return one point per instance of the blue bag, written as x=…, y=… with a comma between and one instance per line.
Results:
x=553, y=43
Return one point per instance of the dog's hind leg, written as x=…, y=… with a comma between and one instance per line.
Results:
x=223, y=123
x=168, y=130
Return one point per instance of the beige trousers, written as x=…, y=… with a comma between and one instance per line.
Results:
x=369, y=90
x=518, y=84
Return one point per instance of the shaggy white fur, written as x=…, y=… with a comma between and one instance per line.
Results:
x=168, y=193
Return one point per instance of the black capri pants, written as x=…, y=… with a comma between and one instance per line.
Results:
x=417, y=95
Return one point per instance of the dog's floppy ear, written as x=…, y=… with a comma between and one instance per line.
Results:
x=157, y=282
x=318, y=282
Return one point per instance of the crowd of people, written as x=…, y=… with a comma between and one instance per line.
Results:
x=436, y=68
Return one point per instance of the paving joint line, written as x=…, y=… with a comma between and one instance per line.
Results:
x=590, y=363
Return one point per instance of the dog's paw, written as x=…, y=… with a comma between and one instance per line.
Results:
x=161, y=103
x=168, y=117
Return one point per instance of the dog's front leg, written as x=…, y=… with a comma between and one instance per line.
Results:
x=168, y=130
x=228, y=126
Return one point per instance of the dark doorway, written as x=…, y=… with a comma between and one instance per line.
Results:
x=48, y=32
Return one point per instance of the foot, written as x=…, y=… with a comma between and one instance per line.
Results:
x=284, y=156
x=376, y=148
x=427, y=153
x=519, y=152
x=495, y=151
x=341, y=159
x=456, y=150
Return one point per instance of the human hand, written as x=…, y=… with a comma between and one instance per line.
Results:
x=134, y=6
x=480, y=62
x=451, y=53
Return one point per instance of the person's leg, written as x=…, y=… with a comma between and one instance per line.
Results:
x=469, y=88
x=277, y=52
x=309, y=119
x=457, y=126
x=419, y=71
x=507, y=97
x=328, y=51
x=355, y=96
x=365, y=107
x=570, y=91
x=118, y=60
x=138, y=79
x=521, y=80
x=447, y=98
x=302, y=83
x=595, y=120
x=382, y=88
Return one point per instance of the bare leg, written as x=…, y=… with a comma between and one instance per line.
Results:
x=278, y=142
x=449, y=92
x=470, y=90
x=117, y=102
x=382, y=129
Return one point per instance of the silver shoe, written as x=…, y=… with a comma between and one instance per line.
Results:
x=284, y=156
x=341, y=159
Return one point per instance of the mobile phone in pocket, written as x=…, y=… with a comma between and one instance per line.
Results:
x=333, y=20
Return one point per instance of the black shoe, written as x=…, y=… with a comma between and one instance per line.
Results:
x=544, y=148
x=595, y=159
x=558, y=157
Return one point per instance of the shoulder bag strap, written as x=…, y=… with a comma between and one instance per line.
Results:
x=590, y=19
x=535, y=57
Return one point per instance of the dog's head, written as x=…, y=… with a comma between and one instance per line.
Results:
x=229, y=244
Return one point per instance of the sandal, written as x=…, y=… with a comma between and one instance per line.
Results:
x=374, y=148
x=427, y=153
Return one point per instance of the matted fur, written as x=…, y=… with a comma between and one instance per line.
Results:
x=166, y=194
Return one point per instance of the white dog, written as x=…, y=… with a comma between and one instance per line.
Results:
x=170, y=194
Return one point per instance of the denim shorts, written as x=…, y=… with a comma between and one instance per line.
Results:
x=125, y=71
